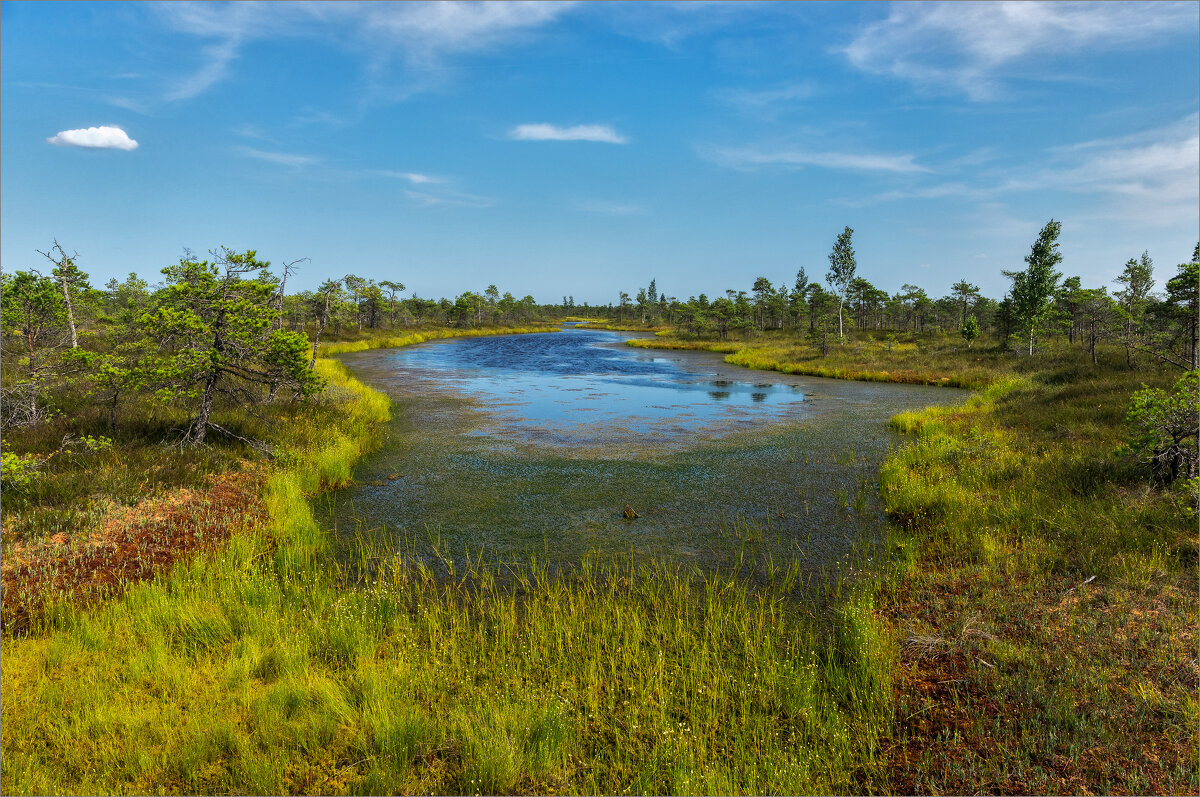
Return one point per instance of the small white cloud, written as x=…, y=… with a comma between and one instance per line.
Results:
x=281, y=158
x=413, y=177
x=545, y=132
x=103, y=137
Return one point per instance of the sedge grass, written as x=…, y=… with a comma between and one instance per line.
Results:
x=255, y=667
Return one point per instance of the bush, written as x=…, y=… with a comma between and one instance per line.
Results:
x=1164, y=428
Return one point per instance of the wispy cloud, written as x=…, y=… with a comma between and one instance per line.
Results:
x=253, y=131
x=1152, y=177
x=760, y=98
x=103, y=137
x=545, y=132
x=216, y=67
x=449, y=198
x=279, y=158
x=753, y=156
x=421, y=35
x=412, y=177
x=971, y=48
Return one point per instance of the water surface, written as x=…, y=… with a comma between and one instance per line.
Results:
x=531, y=446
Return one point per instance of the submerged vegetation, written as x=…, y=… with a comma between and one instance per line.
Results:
x=175, y=619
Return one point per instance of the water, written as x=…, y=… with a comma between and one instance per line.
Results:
x=530, y=446
x=584, y=390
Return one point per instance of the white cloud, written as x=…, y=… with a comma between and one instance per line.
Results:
x=412, y=177
x=545, y=132
x=280, y=158
x=971, y=47
x=103, y=137
x=745, y=157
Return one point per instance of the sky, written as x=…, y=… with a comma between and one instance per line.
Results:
x=582, y=149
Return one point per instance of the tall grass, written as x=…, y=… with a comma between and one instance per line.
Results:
x=257, y=667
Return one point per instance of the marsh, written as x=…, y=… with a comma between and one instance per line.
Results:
x=528, y=447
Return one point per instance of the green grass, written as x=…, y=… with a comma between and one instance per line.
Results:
x=254, y=667
x=980, y=660
x=1044, y=597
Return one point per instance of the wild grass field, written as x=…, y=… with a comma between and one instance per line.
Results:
x=1035, y=631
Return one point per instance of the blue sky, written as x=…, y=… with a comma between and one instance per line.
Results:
x=582, y=149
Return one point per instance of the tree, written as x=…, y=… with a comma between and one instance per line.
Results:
x=372, y=303
x=1066, y=303
x=329, y=290
x=964, y=292
x=1183, y=297
x=1033, y=288
x=392, y=288
x=216, y=337
x=1099, y=312
x=762, y=295
x=70, y=278
x=841, y=272
x=652, y=292
x=355, y=286
x=31, y=309
x=1164, y=429
x=1138, y=279
x=970, y=330
x=798, y=298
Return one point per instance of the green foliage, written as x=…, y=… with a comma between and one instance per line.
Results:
x=841, y=271
x=1163, y=429
x=217, y=335
x=970, y=330
x=15, y=470
x=1033, y=288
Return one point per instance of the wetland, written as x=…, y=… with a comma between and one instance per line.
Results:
x=529, y=447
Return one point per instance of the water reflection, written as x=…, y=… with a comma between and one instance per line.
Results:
x=585, y=387
x=532, y=445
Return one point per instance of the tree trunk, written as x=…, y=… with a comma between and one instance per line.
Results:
x=200, y=424
x=70, y=311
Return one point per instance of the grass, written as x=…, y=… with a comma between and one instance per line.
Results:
x=983, y=659
x=251, y=666
x=921, y=361
x=1044, y=598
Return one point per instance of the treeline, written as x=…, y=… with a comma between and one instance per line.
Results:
x=226, y=330
x=221, y=330
x=354, y=301
x=1041, y=305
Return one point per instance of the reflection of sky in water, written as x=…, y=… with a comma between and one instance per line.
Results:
x=560, y=381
